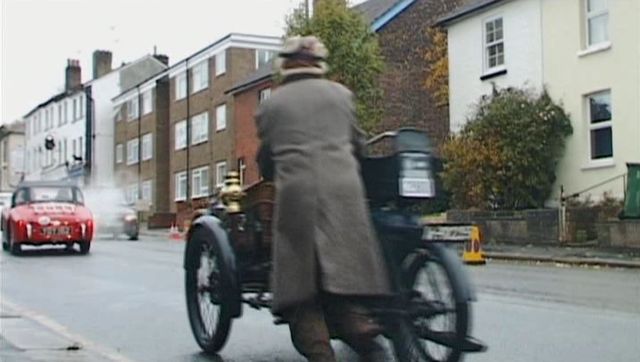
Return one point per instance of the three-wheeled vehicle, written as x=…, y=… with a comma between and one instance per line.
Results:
x=227, y=257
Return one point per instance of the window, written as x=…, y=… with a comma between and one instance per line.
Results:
x=200, y=76
x=67, y=112
x=82, y=106
x=118, y=113
x=80, y=146
x=133, y=148
x=242, y=170
x=147, y=191
x=181, y=135
x=264, y=95
x=493, y=43
x=147, y=147
x=75, y=108
x=64, y=150
x=181, y=86
x=181, y=186
x=597, y=21
x=147, y=105
x=60, y=120
x=221, y=172
x=600, y=125
x=119, y=153
x=132, y=109
x=74, y=149
x=221, y=117
x=200, y=182
x=132, y=194
x=200, y=128
x=263, y=57
x=221, y=63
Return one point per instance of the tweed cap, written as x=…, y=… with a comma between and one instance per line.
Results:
x=306, y=48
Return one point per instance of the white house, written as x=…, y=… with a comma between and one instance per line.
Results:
x=586, y=53
x=79, y=121
x=491, y=43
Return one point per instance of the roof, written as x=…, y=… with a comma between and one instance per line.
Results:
x=263, y=73
x=470, y=7
x=15, y=127
x=55, y=99
x=379, y=13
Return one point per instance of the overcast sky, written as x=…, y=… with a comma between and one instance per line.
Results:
x=38, y=36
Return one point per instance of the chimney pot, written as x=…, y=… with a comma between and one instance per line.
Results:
x=73, y=75
x=101, y=63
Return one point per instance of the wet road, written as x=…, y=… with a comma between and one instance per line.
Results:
x=126, y=298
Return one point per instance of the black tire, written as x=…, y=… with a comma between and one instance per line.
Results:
x=5, y=241
x=203, y=289
x=133, y=237
x=428, y=340
x=14, y=248
x=85, y=246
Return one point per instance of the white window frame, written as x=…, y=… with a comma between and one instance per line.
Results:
x=264, y=94
x=132, y=193
x=180, y=193
x=221, y=63
x=147, y=147
x=221, y=117
x=132, y=109
x=133, y=149
x=181, y=85
x=180, y=135
x=147, y=191
x=147, y=102
x=221, y=173
x=589, y=15
x=200, y=128
x=264, y=51
x=200, y=182
x=200, y=76
x=487, y=45
x=602, y=161
x=119, y=153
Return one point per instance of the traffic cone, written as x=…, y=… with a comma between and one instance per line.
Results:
x=473, y=253
x=174, y=234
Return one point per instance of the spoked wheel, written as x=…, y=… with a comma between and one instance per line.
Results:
x=440, y=317
x=208, y=315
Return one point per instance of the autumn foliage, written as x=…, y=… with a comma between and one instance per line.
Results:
x=437, y=81
x=506, y=156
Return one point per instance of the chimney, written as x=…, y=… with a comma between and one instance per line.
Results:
x=101, y=63
x=164, y=59
x=73, y=75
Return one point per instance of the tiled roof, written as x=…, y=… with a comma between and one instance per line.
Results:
x=372, y=10
x=468, y=7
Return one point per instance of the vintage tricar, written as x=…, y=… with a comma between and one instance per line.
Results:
x=228, y=256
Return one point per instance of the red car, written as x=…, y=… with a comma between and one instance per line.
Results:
x=46, y=213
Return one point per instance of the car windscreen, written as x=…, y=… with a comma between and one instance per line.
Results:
x=54, y=194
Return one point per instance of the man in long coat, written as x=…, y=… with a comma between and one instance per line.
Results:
x=326, y=258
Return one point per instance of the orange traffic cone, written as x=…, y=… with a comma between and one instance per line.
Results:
x=174, y=234
x=473, y=253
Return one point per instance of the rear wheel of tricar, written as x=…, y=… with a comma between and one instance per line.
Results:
x=209, y=316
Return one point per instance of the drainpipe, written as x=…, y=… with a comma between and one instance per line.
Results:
x=139, y=143
x=188, y=188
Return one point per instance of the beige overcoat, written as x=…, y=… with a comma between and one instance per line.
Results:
x=323, y=238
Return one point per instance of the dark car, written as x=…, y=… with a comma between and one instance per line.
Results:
x=111, y=212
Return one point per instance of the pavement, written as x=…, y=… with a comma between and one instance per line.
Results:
x=578, y=255
x=26, y=336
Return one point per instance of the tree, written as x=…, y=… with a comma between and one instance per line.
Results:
x=354, y=55
x=437, y=81
x=506, y=156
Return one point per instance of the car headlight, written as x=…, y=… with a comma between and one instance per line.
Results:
x=130, y=217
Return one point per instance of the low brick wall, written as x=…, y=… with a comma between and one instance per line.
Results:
x=539, y=226
x=161, y=220
x=619, y=234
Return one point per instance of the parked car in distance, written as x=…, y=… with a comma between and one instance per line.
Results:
x=46, y=213
x=111, y=213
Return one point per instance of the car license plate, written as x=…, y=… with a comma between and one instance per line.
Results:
x=416, y=187
x=452, y=233
x=56, y=231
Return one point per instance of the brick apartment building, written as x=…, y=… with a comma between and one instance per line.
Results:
x=248, y=94
x=201, y=133
x=141, y=117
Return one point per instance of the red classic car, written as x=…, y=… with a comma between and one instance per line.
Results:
x=46, y=213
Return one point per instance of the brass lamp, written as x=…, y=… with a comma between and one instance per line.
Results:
x=231, y=193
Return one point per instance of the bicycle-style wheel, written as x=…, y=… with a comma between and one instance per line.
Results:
x=209, y=313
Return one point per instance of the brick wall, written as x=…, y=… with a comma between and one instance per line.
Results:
x=403, y=42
